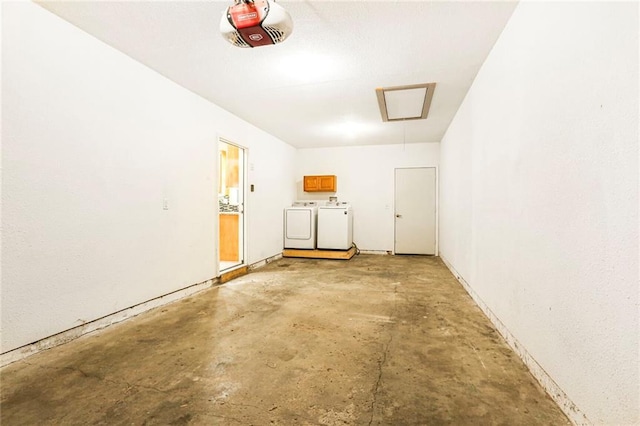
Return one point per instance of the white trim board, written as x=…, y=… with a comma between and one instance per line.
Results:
x=575, y=415
x=100, y=323
x=114, y=318
x=263, y=262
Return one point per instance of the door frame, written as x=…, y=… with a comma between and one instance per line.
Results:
x=243, y=242
x=437, y=225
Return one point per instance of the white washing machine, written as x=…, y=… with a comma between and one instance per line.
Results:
x=335, y=226
x=300, y=223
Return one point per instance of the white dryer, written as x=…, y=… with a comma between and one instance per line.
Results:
x=300, y=222
x=335, y=226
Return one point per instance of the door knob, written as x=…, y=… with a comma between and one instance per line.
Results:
x=398, y=215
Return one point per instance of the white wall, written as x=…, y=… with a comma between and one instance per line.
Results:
x=271, y=171
x=92, y=142
x=539, y=197
x=365, y=179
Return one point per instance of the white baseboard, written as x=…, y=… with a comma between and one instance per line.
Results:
x=73, y=333
x=95, y=325
x=263, y=262
x=574, y=414
x=379, y=252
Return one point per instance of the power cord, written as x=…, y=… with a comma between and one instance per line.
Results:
x=357, y=249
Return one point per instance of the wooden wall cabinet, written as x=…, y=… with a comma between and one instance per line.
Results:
x=233, y=166
x=320, y=183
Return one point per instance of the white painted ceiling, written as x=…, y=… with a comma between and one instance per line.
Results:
x=317, y=89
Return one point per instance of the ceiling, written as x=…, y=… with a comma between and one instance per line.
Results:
x=317, y=88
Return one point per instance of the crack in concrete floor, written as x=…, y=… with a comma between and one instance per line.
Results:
x=379, y=379
x=384, y=356
x=377, y=340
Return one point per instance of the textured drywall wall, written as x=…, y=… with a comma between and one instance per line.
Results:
x=366, y=180
x=93, y=143
x=539, y=197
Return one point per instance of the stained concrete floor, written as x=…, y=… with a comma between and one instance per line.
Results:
x=377, y=340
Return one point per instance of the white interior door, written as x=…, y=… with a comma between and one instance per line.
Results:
x=415, y=211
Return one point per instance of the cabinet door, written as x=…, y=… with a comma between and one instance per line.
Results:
x=311, y=183
x=229, y=237
x=232, y=166
x=327, y=183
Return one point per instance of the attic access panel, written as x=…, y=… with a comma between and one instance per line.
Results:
x=409, y=102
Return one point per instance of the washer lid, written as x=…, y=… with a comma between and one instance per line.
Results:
x=336, y=206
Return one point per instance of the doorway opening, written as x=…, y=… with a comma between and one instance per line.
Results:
x=231, y=200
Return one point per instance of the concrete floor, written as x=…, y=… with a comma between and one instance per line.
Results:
x=377, y=340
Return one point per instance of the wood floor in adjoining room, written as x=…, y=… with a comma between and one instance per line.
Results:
x=375, y=340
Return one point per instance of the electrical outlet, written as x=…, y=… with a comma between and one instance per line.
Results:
x=165, y=204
